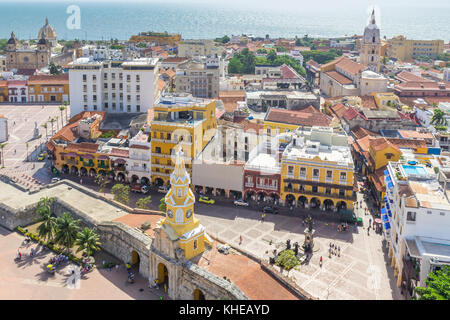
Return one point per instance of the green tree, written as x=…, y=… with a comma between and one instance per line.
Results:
x=271, y=56
x=143, y=203
x=61, y=109
x=88, y=242
x=287, y=260
x=67, y=230
x=162, y=205
x=47, y=228
x=46, y=132
x=261, y=51
x=121, y=193
x=101, y=181
x=438, y=117
x=53, y=68
x=424, y=58
x=235, y=66
x=438, y=286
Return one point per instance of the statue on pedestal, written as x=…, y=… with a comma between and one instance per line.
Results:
x=35, y=131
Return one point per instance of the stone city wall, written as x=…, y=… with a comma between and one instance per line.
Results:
x=121, y=240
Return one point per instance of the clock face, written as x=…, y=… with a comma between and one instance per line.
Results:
x=170, y=213
x=189, y=213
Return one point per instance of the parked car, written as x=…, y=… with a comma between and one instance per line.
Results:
x=41, y=157
x=241, y=202
x=270, y=210
x=139, y=188
x=163, y=189
x=206, y=200
x=55, y=179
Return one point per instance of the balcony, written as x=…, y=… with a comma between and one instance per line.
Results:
x=249, y=184
x=266, y=187
x=74, y=162
x=118, y=168
x=88, y=164
x=103, y=166
x=342, y=181
x=315, y=178
x=329, y=179
x=139, y=169
x=334, y=195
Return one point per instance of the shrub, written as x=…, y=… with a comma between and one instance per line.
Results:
x=146, y=225
x=287, y=260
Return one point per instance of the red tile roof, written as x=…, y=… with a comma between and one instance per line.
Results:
x=339, y=77
x=409, y=76
x=119, y=153
x=49, y=79
x=83, y=147
x=299, y=118
x=352, y=113
x=369, y=102
x=360, y=132
x=350, y=66
x=339, y=109
x=175, y=59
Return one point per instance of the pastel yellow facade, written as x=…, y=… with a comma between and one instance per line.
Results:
x=404, y=49
x=158, y=38
x=180, y=211
x=274, y=128
x=385, y=100
x=325, y=183
x=189, y=123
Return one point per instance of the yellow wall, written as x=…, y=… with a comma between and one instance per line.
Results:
x=323, y=166
x=380, y=157
x=382, y=98
x=404, y=49
x=38, y=89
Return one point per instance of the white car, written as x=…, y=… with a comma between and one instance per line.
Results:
x=163, y=189
x=55, y=179
x=240, y=202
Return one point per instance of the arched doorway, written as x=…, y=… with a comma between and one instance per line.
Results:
x=341, y=205
x=134, y=178
x=290, y=200
x=74, y=170
x=83, y=171
x=208, y=191
x=302, y=201
x=274, y=198
x=315, y=203
x=92, y=172
x=261, y=196
x=145, y=181
x=102, y=172
x=328, y=204
x=198, y=295
x=120, y=177
x=163, y=275
x=249, y=195
x=220, y=192
x=159, y=182
x=65, y=169
x=135, y=260
x=235, y=194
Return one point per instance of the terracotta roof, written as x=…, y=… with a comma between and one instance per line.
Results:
x=138, y=146
x=381, y=143
x=232, y=93
x=339, y=109
x=350, y=66
x=49, y=79
x=161, y=84
x=360, y=132
x=83, y=147
x=299, y=118
x=309, y=109
x=253, y=126
x=339, y=77
x=408, y=143
x=69, y=132
x=169, y=72
x=377, y=179
x=352, y=113
x=368, y=102
x=175, y=59
x=413, y=134
x=119, y=153
x=421, y=86
x=17, y=83
x=409, y=76
x=313, y=63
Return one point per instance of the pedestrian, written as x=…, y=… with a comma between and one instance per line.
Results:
x=81, y=180
x=262, y=217
x=240, y=240
x=321, y=261
x=370, y=221
x=368, y=229
x=329, y=253
x=339, y=251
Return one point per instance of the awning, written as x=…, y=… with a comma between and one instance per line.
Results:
x=388, y=179
x=385, y=218
x=389, y=213
x=385, y=198
x=390, y=185
x=87, y=156
x=386, y=172
x=387, y=226
x=383, y=211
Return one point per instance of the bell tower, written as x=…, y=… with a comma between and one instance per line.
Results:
x=371, y=45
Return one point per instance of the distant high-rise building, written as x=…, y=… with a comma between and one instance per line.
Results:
x=371, y=45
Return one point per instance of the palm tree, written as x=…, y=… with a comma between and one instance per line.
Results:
x=52, y=120
x=47, y=228
x=46, y=133
x=67, y=230
x=438, y=117
x=88, y=242
x=62, y=108
x=2, y=145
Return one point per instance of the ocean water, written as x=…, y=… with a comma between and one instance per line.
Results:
x=282, y=18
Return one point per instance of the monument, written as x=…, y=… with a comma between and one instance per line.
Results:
x=308, y=245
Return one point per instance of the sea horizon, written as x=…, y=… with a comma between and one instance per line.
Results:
x=104, y=20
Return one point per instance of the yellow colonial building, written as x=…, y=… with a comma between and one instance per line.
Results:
x=179, y=119
x=404, y=49
x=180, y=223
x=317, y=170
x=160, y=38
x=48, y=88
x=385, y=100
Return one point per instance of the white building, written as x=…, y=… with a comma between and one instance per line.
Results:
x=3, y=128
x=447, y=74
x=139, y=162
x=416, y=221
x=372, y=82
x=113, y=86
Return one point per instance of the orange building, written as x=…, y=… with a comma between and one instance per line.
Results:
x=48, y=88
x=4, y=91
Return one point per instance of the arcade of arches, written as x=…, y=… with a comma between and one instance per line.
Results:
x=317, y=202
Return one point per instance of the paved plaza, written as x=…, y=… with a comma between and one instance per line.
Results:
x=21, y=123
x=28, y=280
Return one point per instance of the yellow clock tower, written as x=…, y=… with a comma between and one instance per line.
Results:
x=180, y=211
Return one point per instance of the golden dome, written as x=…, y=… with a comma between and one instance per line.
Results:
x=47, y=31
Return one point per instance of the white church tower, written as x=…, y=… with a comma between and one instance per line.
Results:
x=371, y=45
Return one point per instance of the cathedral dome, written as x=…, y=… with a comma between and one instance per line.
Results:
x=47, y=31
x=13, y=39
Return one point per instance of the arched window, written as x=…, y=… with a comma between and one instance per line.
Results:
x=373, y=39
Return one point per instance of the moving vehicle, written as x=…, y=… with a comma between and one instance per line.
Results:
x=206, y=200
x=139, y=188
x=55, y=179
x=270, y=210
x=163, y=189
x=240, y=202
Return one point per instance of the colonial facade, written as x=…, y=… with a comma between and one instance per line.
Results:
x=18, y=57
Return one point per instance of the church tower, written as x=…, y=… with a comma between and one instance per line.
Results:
x=371, y=45
x=180, y=211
